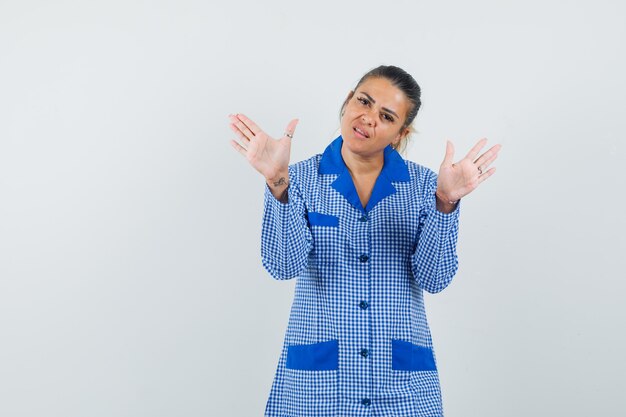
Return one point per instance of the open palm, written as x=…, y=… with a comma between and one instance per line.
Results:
x=456, y=180
x=267, y=155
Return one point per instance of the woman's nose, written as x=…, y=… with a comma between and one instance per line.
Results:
x=367, y=119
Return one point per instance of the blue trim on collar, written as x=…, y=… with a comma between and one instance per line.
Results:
x=394, y=170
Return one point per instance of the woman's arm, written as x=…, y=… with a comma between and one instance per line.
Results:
x=286, y=239
x=434, y=262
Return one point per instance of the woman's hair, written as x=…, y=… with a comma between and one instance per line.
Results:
x=403, y=81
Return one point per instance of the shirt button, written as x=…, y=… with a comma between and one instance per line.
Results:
x=366, y=401
x=364, y=352
x=363, y=218
x=363, y=258
x=363, y=304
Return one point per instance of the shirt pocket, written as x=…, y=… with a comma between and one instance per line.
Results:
x=311, y=379
x=406, y=356
x=321, y=356
x=321, y=219
x=330, y=240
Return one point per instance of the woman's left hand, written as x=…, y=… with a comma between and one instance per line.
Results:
x=457, y=180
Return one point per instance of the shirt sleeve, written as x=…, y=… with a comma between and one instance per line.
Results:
x=286, y=238
x=435, y=262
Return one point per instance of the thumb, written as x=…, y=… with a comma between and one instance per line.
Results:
x=449, y=158
x=291, y=127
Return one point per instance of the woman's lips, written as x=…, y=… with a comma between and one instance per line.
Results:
x=359, y=134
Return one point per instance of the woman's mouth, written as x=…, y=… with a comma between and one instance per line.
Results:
x=359, y=133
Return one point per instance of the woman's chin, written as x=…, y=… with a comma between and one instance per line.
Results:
x=356, y=146
x=354, y=138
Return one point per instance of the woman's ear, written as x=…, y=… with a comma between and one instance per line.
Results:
x=403, y=134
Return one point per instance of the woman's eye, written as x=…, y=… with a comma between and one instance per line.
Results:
x=389, y=118
x=362, y=100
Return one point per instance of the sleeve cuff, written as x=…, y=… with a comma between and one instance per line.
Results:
x=445, y=220
x=276, y=203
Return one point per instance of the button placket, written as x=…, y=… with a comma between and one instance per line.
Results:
x=362, y=248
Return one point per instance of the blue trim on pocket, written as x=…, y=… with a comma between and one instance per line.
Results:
x=320, y=219
x=322, y=356
x=406, y=356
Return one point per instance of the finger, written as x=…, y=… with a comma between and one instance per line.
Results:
x=238, y=147
x=291, y=127
x=487, y=162
x=486, y=175
x=249, y=124
x=449, y=157
x=488, y=154
x=240, y=135
x=474, y=151
x=241, y=126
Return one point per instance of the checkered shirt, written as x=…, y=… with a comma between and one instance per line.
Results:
x=358, y=341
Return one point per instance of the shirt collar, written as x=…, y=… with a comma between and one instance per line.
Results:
x=394, y=170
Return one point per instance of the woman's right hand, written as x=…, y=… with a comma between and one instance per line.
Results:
x=267, y=155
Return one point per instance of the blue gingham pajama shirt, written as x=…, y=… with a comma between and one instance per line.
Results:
x=358, y=342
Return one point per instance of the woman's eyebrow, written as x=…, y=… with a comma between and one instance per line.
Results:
x=384, y=108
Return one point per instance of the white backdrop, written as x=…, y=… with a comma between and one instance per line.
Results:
x=130, y=275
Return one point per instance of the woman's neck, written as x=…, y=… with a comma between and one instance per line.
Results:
x=362, y=166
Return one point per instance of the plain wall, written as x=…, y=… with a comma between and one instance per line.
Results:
x=131, y=281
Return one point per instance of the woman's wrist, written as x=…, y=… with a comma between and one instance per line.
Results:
x=444, y=204
x=280, y=180
x=279, y=185
x=445, y=199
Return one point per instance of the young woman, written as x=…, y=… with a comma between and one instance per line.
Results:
x=365, y=232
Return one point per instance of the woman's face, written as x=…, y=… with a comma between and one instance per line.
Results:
x=373, y=116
